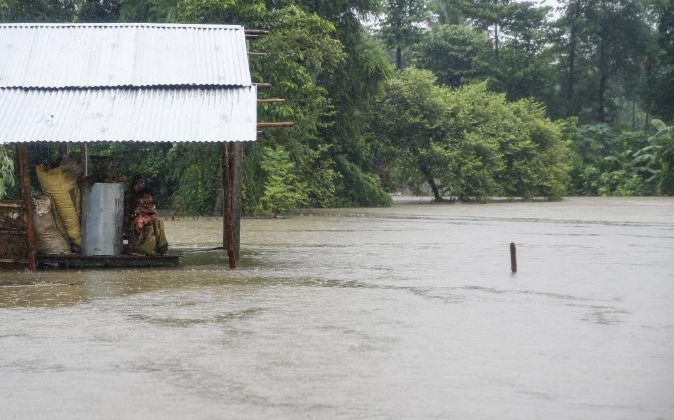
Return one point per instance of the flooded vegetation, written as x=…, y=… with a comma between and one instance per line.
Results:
x=402, y=312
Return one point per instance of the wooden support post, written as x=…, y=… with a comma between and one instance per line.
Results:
x=28, y=207
x=63, y=151
x=231, y=161
x=237, y=177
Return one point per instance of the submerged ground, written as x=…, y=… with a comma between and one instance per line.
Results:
x=406, y=312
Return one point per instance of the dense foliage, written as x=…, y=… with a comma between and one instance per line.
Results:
x=466, y=99
x=470, y=143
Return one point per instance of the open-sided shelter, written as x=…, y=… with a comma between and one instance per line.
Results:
x=126, y=82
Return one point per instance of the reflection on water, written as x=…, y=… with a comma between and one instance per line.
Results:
x=407, y=312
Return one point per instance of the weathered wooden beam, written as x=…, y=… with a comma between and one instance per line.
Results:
x=231, y=157
x=105, y=261
x=271, y=101
x=263, y=85
x=227, y=219
x=256, y=54
x=256, y=32
x=236, y=167
x=28, y=207
x=282, y=124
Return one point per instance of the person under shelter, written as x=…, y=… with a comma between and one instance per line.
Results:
x=143, y=229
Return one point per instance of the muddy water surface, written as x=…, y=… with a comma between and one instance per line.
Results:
x=406, y=312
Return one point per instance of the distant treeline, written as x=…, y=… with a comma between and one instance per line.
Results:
x=461, y=99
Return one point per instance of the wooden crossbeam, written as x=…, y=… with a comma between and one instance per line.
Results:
x=256, y=32
x=271, y=101
x=281, y=124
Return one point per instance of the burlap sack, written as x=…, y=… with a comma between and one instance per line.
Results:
x=61, y=184
x=49, y=231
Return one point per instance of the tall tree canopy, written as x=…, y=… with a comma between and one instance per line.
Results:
x=402, y=25
x=367, y=121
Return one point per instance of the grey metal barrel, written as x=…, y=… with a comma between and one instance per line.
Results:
x=102, y=219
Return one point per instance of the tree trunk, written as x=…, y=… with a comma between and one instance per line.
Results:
x=571, y=75
x=601, y=99
x=496, y=40
x=426, y=172
x=399, y=58
x=603, y=80
x=434, y=188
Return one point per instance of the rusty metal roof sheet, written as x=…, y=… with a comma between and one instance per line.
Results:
x=125, y=54
x=124, y=114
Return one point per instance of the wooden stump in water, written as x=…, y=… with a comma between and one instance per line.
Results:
x=513, y=257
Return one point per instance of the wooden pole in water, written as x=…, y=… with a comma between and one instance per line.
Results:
x=28, y=207
x=236, y=169
x=231, y=182
x=513, y=257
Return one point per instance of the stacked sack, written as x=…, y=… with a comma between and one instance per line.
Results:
x=61, y=185
x=49, y=230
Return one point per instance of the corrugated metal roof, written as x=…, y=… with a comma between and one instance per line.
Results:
x=106, y=55
x=128, y=114
x=125, y=82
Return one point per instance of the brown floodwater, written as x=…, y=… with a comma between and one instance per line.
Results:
x=408, y=312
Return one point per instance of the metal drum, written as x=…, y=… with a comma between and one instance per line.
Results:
x=102, y=219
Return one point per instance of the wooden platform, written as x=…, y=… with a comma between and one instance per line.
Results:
x=104, y=261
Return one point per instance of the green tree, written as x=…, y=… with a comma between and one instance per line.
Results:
x=456, y=54
x=301, y=54
x=402, y=25
x=502, y=41
x=523, y=68
x=521, y=58
x=352, y=89
x=608, y=43
x=621, y=38
x=450, y=12
x=661, y=69
x=660, y=154
x=239, y=12
x=98, y=11
x=37, y=10
x=147, y=10
x=609, y=161
x=343, y=13
x=470, y=143
x=284, y=192
x=536, y=153
x=493, y=16
x=193, y=174
x=413, y=116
